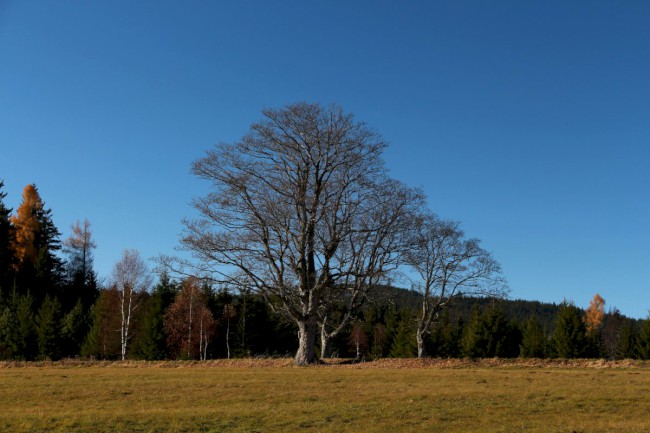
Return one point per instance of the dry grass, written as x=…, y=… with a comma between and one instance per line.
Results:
x=271, y=396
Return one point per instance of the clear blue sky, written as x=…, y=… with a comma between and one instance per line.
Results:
x=528, y=121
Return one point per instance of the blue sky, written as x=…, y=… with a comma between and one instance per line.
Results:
x=527, y=121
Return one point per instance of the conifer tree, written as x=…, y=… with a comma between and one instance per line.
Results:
x=150, y=342
x=445, y=338
x=74, y=328
x=9, y=346
x=48, y=329
x=103, y=338
x=404, y=345
x=502, y=337
x=474, y=336
x=534, y=342
x=594, y=315
x=24, y=337
x=643, y=342
x=569, y=337
x=6, y=252
x=35, y=244
x=626, y=348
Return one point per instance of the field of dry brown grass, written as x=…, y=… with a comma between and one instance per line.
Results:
x=270, y=395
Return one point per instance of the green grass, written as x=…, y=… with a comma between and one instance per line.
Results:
x=234, y=398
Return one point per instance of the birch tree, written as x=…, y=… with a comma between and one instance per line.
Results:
x=446, y=266
x=290, y=215
x=131, y=277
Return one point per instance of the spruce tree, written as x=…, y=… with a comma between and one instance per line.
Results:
x=103, y=338
x=626, y=348
x=149, y=342
x=74, y=328
x=404, y=345
x=25, y=332
x=6, y=252
x=569, y=337
x=534, y=342
x=502, y=337
x=445, y=338
x=48, y=329
x=474, y=341
x=9, y=345
x=643, y=342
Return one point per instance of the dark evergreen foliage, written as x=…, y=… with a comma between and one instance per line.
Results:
x=6, y=254
x=534, y=341
x=48, y=329
x=51, y=309
x=569, y=338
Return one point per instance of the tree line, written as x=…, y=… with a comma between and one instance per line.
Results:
x=52, y=306
x=303, y=219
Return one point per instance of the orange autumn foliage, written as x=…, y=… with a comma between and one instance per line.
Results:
x=188, y=322
x=26, y=226
x=595, y=314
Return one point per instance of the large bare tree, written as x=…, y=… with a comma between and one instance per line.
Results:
x=302, y=212
x=447, y=266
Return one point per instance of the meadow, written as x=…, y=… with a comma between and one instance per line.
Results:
x=272, y=396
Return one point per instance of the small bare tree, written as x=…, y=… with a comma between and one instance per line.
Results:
x=131, y=278
x=79, y=246
x=290, y=215
x=447, y=266
x=229, y=312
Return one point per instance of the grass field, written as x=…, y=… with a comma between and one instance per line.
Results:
x=271, y=397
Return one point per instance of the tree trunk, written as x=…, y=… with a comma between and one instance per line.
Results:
x=419, y=336
x=325, y=345
x=306, y=353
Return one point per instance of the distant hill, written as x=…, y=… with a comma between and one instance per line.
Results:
x=516, y=310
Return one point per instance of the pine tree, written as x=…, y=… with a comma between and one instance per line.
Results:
x=569, y=337
x=48, y=329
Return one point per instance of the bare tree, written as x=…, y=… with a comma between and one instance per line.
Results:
x=79, y=248
x=130, y=277
x=370, y=253
x=290, y=215
x=229, y=312
x=447, y=266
